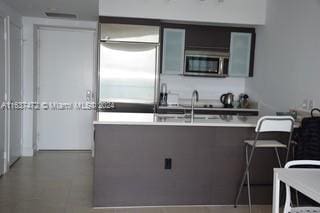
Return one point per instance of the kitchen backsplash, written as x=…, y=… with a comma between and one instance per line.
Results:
x=208, y=88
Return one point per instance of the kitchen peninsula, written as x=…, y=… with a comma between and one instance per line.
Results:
x=167, y=160
x=181, y=112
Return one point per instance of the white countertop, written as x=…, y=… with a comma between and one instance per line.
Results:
x=175, y=120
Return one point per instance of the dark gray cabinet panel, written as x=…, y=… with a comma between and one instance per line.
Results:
x=207, y=37
x=207, y=164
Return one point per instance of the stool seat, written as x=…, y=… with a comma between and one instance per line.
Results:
x=266, y=143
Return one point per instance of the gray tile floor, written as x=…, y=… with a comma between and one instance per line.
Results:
x=61, y=182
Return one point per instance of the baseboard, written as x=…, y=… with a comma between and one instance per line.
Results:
x=27, y=152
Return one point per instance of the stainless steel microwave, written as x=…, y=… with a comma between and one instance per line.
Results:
x=206, y=63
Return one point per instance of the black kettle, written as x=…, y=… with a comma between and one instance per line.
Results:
x=227, y=100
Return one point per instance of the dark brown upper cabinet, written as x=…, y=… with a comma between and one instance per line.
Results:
x=239, y=42
x=207, y=38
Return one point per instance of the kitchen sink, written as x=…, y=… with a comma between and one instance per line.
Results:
x=187, y=116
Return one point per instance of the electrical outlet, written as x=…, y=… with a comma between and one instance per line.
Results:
x=305, y=104
x=168, y=164
x=310, y=104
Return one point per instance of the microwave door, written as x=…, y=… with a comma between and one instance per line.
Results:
x=197, y=65
x=213, y=65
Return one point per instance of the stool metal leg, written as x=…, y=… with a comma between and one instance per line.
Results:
x=296, y=192
x=293, y=152
x=248, y=181
x=289, y=146
x=245, y=176
x=278, y=157
x=297, y=198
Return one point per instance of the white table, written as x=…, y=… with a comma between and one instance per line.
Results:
x=306, y=181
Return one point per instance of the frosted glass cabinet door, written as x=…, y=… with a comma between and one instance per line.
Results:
x=173, y=51
x=240, y=48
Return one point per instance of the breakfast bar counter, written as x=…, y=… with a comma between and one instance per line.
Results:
x=167, y=160
x=181, y=120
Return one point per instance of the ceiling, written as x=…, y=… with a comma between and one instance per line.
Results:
x=84, y=9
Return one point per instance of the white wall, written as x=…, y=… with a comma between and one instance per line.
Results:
x=6, y=10
x=29, y=68
x=208, y=88
x=287, y=64
x=212, y=11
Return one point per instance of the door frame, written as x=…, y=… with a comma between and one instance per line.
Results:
x=7, y=44
x=9, y=89
x=6, y=154
x=36, y=78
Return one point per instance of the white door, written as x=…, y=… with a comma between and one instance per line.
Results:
x=2, y=95
x=66, y=73
x=15, y=93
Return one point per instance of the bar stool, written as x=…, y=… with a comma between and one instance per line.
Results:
x=266, y=124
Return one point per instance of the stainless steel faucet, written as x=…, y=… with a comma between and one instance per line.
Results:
x=194, y=98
